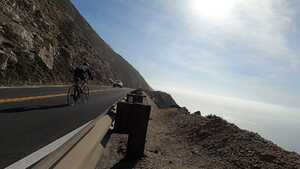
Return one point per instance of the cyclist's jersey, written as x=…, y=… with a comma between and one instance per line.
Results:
x=81, y=72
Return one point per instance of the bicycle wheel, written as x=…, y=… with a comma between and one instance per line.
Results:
x=85, y=94
x=72, y=96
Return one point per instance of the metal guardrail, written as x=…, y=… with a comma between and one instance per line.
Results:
x=84, y=149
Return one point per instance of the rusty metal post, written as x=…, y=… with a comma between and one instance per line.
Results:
x=133, y=119
x=139, y=118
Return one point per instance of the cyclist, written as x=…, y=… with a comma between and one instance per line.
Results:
x=81, y=75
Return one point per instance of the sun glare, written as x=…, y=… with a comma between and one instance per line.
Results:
x=215, y=10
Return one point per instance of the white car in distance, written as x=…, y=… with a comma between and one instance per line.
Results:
x=118, y=83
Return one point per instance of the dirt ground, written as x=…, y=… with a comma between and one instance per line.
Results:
x=162, y=148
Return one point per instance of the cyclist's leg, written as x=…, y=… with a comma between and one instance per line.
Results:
x=82, y=83
x=80, y=86
x=77, y=88
x=85, y=91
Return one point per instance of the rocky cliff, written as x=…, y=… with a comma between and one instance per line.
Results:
x=162, y=99
x=42, y=40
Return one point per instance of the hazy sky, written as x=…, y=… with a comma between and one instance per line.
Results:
x=245, y=49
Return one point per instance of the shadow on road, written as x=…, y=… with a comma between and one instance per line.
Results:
x=125, y=164
x=31, y=108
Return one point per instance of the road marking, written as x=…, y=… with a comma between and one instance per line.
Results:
x=43, y=152
x=29, y=98
x=33, y=86
x=20, y=99
x=42, y=86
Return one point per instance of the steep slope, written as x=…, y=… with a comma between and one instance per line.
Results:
x=41, y=41
x=177, y=139
x=162, y=99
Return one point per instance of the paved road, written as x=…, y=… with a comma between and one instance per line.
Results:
x=29, y=125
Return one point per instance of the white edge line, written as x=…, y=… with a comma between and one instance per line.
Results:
x=43, y=152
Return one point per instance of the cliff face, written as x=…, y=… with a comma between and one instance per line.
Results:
x=162, y=99
x=41, y=40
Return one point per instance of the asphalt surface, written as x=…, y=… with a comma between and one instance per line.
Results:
x=27, y=126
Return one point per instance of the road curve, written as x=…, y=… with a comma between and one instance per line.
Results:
x=31, y=118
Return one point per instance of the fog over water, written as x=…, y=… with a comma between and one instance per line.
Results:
x=279, y=124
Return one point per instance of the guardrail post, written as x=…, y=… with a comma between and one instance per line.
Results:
x=138, y=125
x=132, y=119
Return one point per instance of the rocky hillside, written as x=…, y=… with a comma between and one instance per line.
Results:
x=162, y=99
x=41, y=40
x=177, y=139
x=234, y=147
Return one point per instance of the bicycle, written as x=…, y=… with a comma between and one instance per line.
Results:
x=78, y=93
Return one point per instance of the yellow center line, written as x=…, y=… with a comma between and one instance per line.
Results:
x=28, y=98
